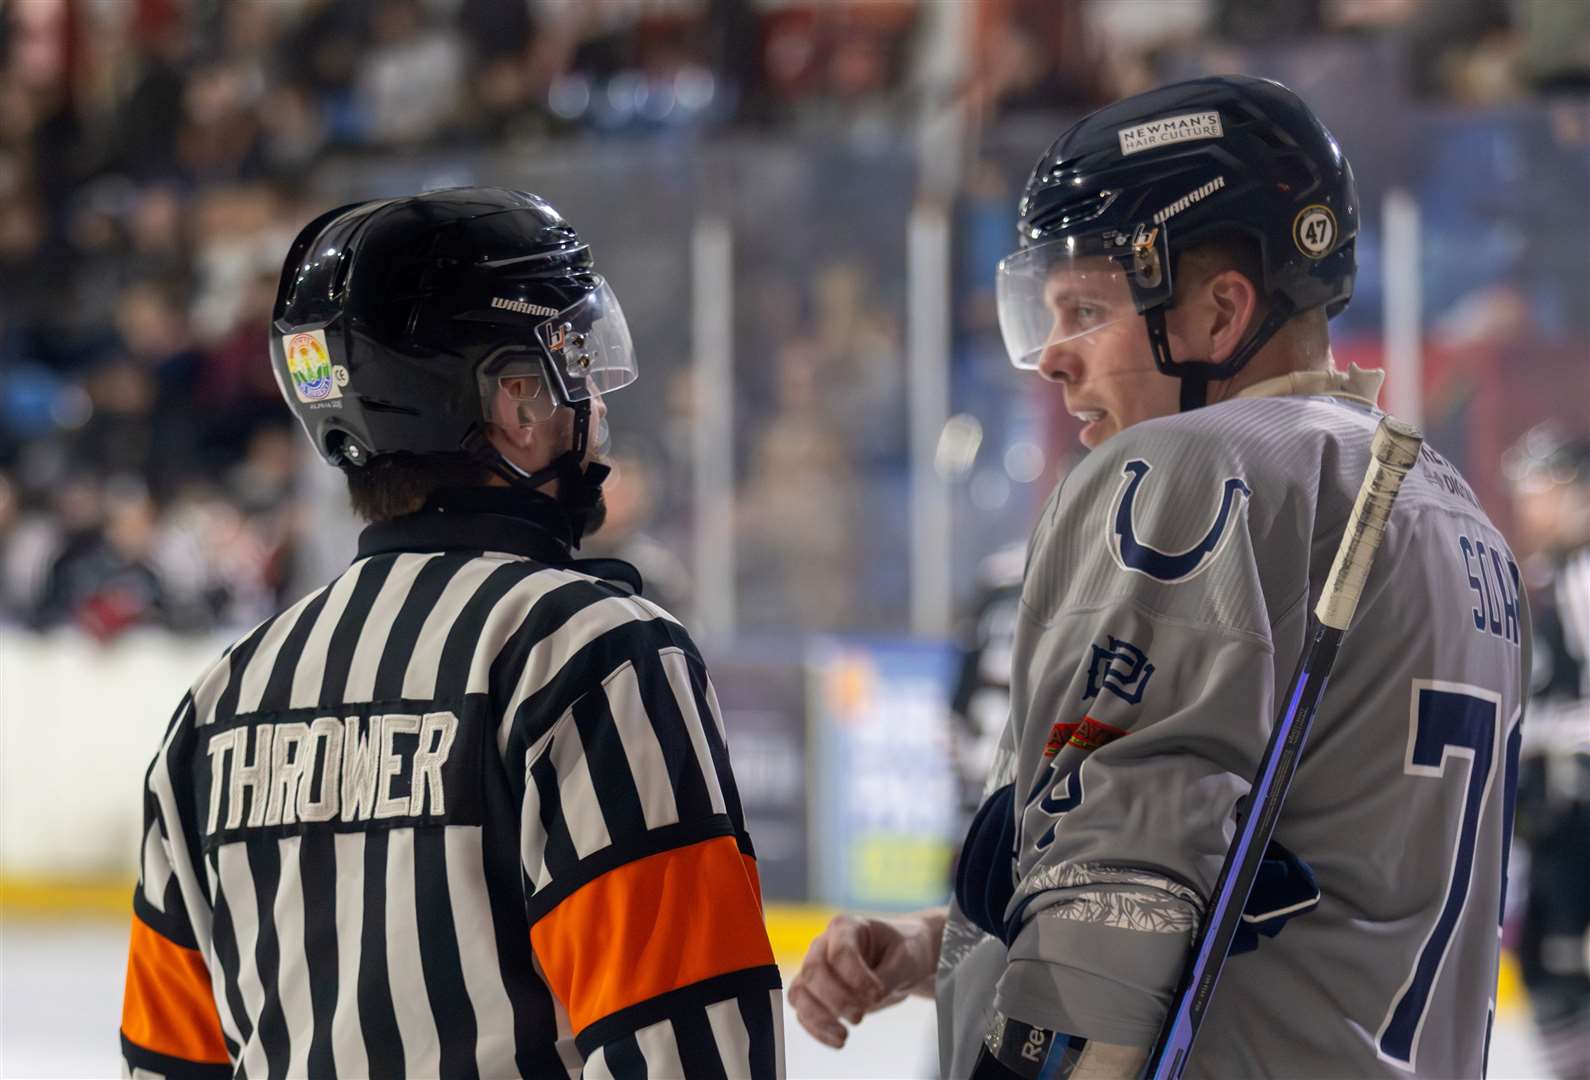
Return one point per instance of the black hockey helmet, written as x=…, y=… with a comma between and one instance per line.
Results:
x=1130, y=187
x=397, y=320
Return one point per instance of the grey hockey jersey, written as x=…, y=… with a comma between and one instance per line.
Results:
x=1166, y=601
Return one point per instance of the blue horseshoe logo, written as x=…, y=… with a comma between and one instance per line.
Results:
x=1164, y=565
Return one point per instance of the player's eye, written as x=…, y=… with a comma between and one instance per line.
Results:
x=1073, y=317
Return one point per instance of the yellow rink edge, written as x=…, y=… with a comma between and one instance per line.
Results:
x=790, y=927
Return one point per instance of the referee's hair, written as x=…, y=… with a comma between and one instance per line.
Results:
x=395, y=484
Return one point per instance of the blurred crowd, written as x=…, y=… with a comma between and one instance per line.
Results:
x=156, y=157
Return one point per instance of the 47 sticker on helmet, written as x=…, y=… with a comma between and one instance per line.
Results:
x=309, y=368
x=1314, y=230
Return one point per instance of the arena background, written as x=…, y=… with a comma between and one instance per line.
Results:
x=801, y=206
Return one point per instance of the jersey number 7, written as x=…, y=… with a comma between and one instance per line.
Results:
x=1450, y=722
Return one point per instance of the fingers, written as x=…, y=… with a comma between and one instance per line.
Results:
x=836, y=997
x=815, y=1017
x=835, y=982
x=851, y=954
x=856, y=966
x=813, y=1011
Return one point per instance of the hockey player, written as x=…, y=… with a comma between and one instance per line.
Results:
x=459, y=812
x=1180, y=254
x=1550, y=476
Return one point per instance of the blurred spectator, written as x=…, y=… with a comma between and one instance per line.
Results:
x=121, y=427
x=498, y=36
x=144, y=127
x=220, y=137
x=101, y=579
x=801, y=508
x=157, y=157
x=1464, y=49
x=409, y=83
x=236, y=391
x=837, y=68
x=1549, y=473
x=1555, y=55
x=1037, y=54
x=1263, y=22
x=27, y=544
x=165, y=365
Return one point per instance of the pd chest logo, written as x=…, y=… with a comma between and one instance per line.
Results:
x=1172, y=567
x=1122, y=669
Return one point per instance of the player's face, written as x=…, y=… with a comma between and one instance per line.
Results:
x=531, y=434
x=1101, y=356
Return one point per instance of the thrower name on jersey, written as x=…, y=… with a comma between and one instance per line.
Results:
x=328, y=769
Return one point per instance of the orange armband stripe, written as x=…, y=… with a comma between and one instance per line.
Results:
x=168, y=1006
x=650, y=926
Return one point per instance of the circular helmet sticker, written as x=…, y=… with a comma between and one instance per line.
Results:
x=1314, y=230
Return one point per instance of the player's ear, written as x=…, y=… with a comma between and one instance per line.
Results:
x=1233, y=305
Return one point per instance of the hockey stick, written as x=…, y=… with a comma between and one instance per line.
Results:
x=1392, y=453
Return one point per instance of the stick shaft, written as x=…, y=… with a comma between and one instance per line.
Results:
x=1393, y=452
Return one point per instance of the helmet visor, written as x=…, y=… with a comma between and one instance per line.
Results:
x=1071, y=287
x=588, y=346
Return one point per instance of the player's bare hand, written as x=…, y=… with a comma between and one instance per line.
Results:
x=859, y=965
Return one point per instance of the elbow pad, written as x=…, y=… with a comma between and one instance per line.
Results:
x=985, y=875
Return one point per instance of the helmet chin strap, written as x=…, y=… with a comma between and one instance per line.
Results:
x=1196, y=375
x=579, y=485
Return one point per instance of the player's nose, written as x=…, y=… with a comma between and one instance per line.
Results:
x=1060, y=362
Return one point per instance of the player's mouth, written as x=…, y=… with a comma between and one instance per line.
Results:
x=1092, y=421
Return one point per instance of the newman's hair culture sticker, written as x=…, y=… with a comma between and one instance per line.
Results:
x=1172, y=129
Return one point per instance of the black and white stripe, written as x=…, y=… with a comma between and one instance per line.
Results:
x=699, y=1033
x=354, y=949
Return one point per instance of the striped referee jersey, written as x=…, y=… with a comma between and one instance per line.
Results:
x=466, y=811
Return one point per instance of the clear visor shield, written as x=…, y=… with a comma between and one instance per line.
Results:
x=589, y=347
x=1066, y=289
x=584, y=352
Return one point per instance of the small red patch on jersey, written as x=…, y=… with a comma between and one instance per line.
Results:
x=1059, y=735
x=1091, y=734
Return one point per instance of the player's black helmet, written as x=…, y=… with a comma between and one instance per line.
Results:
x=397, y=319
x=1131, y=186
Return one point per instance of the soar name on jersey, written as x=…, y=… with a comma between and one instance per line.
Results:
x=347, y=773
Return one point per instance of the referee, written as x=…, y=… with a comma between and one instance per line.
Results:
x=463, y=811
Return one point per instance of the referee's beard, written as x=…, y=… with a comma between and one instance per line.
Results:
x=596, y=517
